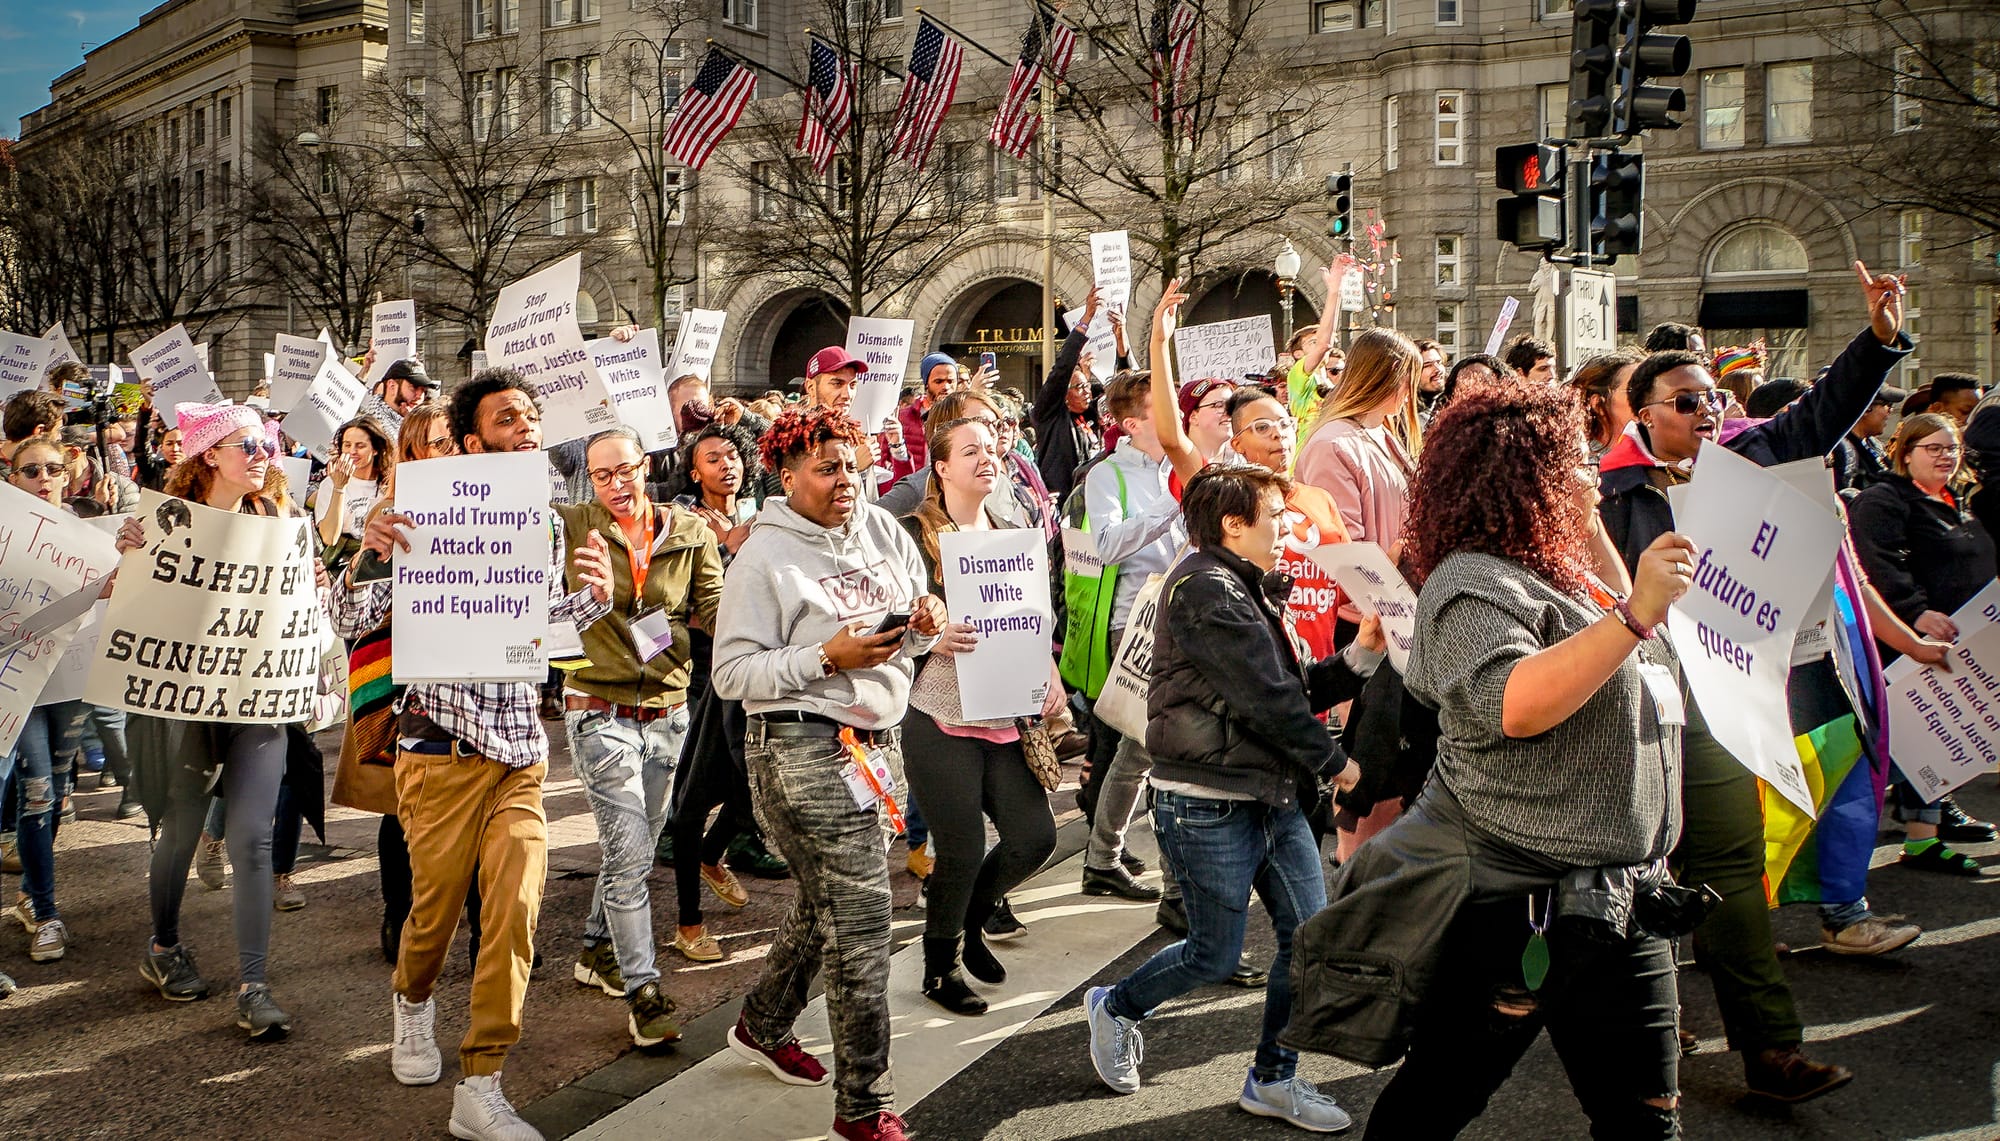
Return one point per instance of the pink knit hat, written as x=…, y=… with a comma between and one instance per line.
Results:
x=205, y=425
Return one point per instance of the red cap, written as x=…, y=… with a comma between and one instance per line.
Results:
x=833, y=357
x=1193, y=391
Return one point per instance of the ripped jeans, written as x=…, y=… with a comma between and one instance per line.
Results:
x=45, y=753
x=627, y=769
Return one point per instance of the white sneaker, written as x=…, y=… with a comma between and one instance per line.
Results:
x=1116, y=1045
x=51, y=940
x=479, y=1112
x=415, y=1061
x=1295, y=1100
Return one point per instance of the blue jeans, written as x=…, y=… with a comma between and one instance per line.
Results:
x=627, y=770
x=1220, y=851
x=47, y=750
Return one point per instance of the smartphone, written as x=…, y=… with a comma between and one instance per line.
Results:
x=894, y=620
x=370, y=567
x=988, y=361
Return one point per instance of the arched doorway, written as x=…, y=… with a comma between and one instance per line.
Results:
x=1002, y=316
x=1754, y=289
x=1246, y=293
x=816, y=321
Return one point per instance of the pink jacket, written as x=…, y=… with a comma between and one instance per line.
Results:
x=1368, y=475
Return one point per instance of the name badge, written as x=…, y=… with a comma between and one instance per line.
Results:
x=1666, y=693
x=652, y=633
x=867, y=792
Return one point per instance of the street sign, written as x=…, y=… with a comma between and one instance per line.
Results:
x=1591, y=308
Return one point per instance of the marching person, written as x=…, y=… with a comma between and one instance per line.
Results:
x=403, y=386
x=822, y=610
x=469, y=770
x=626, y=712
x=354, y=481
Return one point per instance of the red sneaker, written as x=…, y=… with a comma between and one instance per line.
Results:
x=788, y=1062
x=884, y=1126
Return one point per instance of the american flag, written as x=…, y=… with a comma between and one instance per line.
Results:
x=709, y=108
x=829, y=105
x=1174, y=38
x=1014, y=127
x=927, y=91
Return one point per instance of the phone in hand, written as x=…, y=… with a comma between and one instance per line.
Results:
x=894, y=620
x=988, y=362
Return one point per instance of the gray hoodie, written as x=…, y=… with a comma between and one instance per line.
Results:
x=793, y=585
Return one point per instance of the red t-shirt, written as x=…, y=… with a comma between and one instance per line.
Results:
x=1312, y=520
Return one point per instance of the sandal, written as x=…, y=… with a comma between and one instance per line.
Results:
x=1938, y=858
x=725, y=885
x=702, y=950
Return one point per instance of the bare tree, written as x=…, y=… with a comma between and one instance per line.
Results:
x=66, y=250
x=180, y=245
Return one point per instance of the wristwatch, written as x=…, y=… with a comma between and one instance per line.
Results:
x=826, y=666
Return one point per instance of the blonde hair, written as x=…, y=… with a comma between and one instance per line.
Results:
x=1378, y=362
x=416, y=430
x=930, y=515
x=1912, y=429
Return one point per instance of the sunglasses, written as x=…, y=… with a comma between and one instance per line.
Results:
x=254, y=447
x=1687, y=403
x=37, y=471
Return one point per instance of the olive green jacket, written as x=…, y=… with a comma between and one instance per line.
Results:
x=684, y=576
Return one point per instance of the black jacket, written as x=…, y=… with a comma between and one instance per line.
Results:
x=1230, y=706
x=1635, y=512
x=1059, y=446
x=1920, y=552
x=1856, y=464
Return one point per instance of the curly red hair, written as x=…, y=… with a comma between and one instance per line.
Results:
x=797, y=432
x=1499, y=477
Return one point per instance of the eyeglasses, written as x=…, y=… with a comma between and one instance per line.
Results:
x=1939, y=451
x=440, y=444
x=1687, y=403
x=254, y=447
x=1275, y=429
x=1212, y=405
x=37, y=471
x=623, y=473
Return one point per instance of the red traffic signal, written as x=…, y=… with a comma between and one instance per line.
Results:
x=1528, y=168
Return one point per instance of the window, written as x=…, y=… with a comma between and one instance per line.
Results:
x=329, y=174
x=672, y=81
x=1373, y=14
x=225, y=118
x=1446, y=334
x=1450, y=126
x=670, y=306
x=507, y=96
x=482, y=105
x=483, y=22
x=223, y=259
x=586, y=10
x=585, y=193
x=1552, y=111
x=329, y=106
x=1448, y=246
x=1722, y=108
x=225, y=186
x=1913, y=312
x=1556, y=7
x=1757, y=249
x=1287, y=155
x=174, y=135
x=560, y=95
x=413, y=21
x=860, y=11
x=198, y=128
x=557, y=208
x=673, y=209
x=1910, y=239
x=1227, y=168
x=843, y=187
x=587, y=70
x=1908, y=110
x=1985, y=316
x=1334, y=16
x=1788, y=95
x=1448, y=15
x=1389, y=139
x=561, y=12
x=742, y=13
x=764, y=191
x=1006, y=176
x=200, y=189
x=413, y=110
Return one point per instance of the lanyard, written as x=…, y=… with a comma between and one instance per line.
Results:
x=859, y=756
x=641, y=556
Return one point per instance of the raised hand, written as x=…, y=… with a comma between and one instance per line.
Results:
x=1885, y=301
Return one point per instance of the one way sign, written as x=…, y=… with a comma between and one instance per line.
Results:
x=1592, y=315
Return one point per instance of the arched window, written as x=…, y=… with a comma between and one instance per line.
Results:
x=586, y=308
x=1755, y=292
x=1757, y=250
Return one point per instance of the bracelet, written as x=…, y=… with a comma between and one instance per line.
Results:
x=1639, y=629
x=826, y=666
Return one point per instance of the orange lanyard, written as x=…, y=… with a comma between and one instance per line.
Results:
x=641, y=557
x=859, y=756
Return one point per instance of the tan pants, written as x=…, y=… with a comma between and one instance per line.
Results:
x=460, y=814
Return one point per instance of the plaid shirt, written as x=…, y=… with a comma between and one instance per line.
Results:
x=500, y=719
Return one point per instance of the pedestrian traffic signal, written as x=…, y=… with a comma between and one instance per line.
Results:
x=1592, y=58
x=1533, y=172
x=1340, y=204
x=1617, y=201
x=1646, y=55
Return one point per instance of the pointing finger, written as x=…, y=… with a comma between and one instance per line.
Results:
x=1861, y=271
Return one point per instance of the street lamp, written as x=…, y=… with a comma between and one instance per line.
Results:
x=1288, y=278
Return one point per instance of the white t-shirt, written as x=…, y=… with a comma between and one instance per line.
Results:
x=356, y=498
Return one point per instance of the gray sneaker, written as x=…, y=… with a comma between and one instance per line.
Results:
x=1116, y=1046
x=7, y=985
x=1295, y=1100
x=258, y=1013
x=173, y=972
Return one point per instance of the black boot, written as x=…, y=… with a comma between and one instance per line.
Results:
x=978, y=956
x=942, y=982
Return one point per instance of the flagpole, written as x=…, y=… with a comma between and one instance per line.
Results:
x=965, y=39
x=1047, y=96
x=884, y=68
x=746, y=61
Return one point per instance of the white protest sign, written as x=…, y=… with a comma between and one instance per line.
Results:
x=1944, y=728
x=298, y=473
x=330, y=400
x=1591, y=308
x=46, y=556
x=295, y=361
x=1111, y=268
x=24, y=361
x=1100, y=343
x=216, y=617
x=1979, y=612
x=1225, y=349
x=1353, y=292
x=392, y=334
x=883, y=344
x=1763, y=551
x=1507, y=310
x=72, y=670
x=472, y=592
x=695, y=347
x=534, y=330
x=178, y=371
x=998, y=582
x=1366, y=575
x=60, y=351
x=631, y=370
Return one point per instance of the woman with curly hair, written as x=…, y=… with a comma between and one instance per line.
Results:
x=823, y=612
x=717, y=480
x=1556, y=787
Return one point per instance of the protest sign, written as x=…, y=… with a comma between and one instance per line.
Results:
x=883, y=343
x=295, y=362
x=1944, y=728
x=1111, y=268
x=330, y=400
x=46, y=556
x=631, y=370
x=1366, y=575
x=695, y=348
x=1763, y=549
x=177, y=369
x=298, y=473
x=1353, y=292
x=1507, y=310
x=24, y=361
x=1100, y=344
x=60, y=351
x=472, y=592
x=998, y=583
x=72, y=670
x=392, y=334
x=1225, y=349
x=216, y=618
x=1979, y=612
x=534, y=330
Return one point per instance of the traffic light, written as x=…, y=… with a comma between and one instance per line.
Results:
x=1646, y=55
x=1340, y=204
x=1533, y=173
x=1593, y=56
x=1617, y=200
